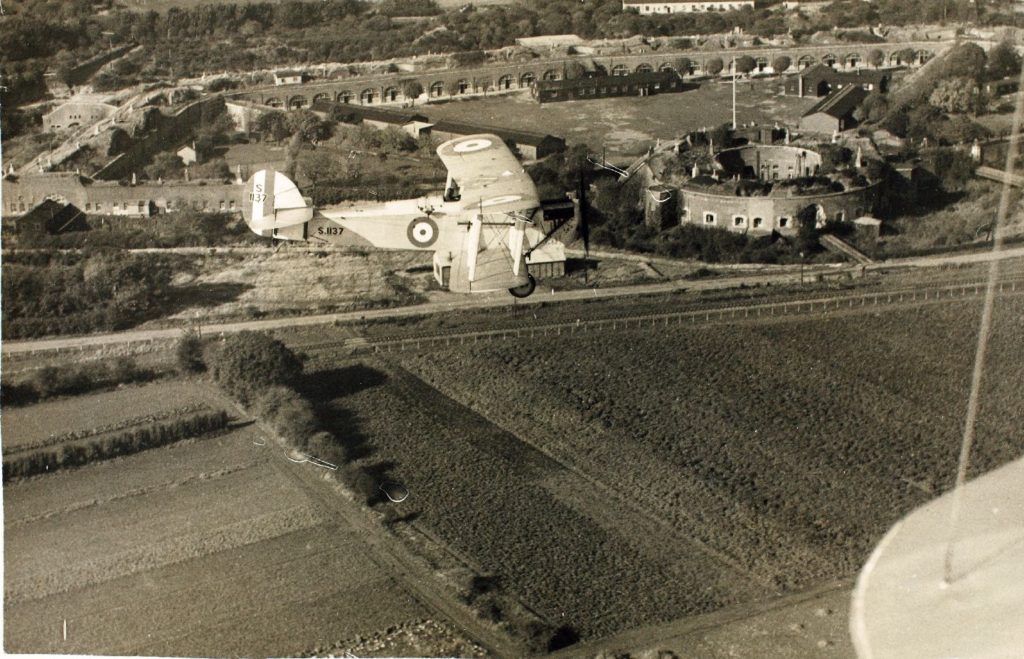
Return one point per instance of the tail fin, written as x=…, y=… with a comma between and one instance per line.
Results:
x=273, y=202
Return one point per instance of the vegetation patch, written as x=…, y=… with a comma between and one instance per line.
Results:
x=124, y=443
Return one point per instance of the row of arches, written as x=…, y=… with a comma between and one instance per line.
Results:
x=509, y=81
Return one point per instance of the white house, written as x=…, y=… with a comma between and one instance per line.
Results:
x=649, y=7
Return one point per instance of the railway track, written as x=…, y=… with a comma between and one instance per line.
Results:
x=691, y=317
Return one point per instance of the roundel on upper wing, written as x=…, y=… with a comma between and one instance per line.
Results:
x=469, y=146
x=422, y=232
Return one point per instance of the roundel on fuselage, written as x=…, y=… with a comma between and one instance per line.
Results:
x=422, y=232
x=470, y=146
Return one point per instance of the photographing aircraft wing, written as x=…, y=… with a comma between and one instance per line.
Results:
x=489, y=177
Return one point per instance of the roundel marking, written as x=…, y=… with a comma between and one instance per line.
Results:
x=504, y=199
x=422, y=232
x=469, y=146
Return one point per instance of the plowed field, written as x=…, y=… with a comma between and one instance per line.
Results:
x=637, y=476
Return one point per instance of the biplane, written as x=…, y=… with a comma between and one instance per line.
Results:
x=482, y=227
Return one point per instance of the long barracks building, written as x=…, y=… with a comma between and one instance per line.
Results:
x=645, y=83
x=512, y=76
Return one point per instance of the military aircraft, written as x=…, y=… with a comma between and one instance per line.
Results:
x=483, y=227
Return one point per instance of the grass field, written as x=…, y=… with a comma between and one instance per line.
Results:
x=628, y=125
x=294, y=278
x=196, y=549
x=636, y=477
x=23, y=426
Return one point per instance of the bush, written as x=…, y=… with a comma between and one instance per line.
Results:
x=288, y=413
x=325, y=446
x=189, y=353
x=249, y=362
x=130, y=441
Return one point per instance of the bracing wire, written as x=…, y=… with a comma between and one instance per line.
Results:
x=984, y=331
x=611, y=168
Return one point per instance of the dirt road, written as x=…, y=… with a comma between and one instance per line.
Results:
x=482, y=301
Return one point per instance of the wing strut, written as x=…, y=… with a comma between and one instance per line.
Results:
x=473, y=245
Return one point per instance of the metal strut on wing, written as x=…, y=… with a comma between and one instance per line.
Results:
x=473, y=245
x=516, y=239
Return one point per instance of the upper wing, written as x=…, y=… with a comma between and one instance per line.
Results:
x=490, y=178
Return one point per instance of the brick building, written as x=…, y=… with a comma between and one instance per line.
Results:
x=22, y=193
x=821, y=80
x=643, y=83
x=835, y=112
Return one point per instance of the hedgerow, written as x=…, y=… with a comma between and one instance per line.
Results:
x=125, y=443
x=74, y=379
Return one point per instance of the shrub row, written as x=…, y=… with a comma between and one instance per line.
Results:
x=75, y=379
x=126, y=443
x=76, y=435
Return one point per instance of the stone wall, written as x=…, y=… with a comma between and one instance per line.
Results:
x=767, y=214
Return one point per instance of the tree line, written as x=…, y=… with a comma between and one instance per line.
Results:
x=244, y=36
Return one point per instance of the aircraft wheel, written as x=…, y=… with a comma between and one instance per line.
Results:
x=525, y=289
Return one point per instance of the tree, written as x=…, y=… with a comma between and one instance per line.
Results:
x=745, y=64
x=714, y=66
x=781, y=63
x=452, y=87
x=165, y=166
x=876, y=57
x=956, y=96
x=873, y=109
x=248, y=363
x=273, y=125
x=308, y=126
x=575, y=70
x=905, y=55
x=683, y=66
x=321, y=166
x=807, y=231
x=1003, y=62
x=411, y=89
x=189, y=353
x=965, y=60
x=953, y=166
x=215, y=169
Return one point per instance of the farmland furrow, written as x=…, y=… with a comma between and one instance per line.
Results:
x=665, y=495
x=27, y=585
x=652, y=590
x=128, y=494
x=393, y=559
x=322, y=353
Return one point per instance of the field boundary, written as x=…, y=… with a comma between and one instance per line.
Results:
x=692, y=317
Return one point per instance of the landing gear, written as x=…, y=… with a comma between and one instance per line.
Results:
x=525, y=289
